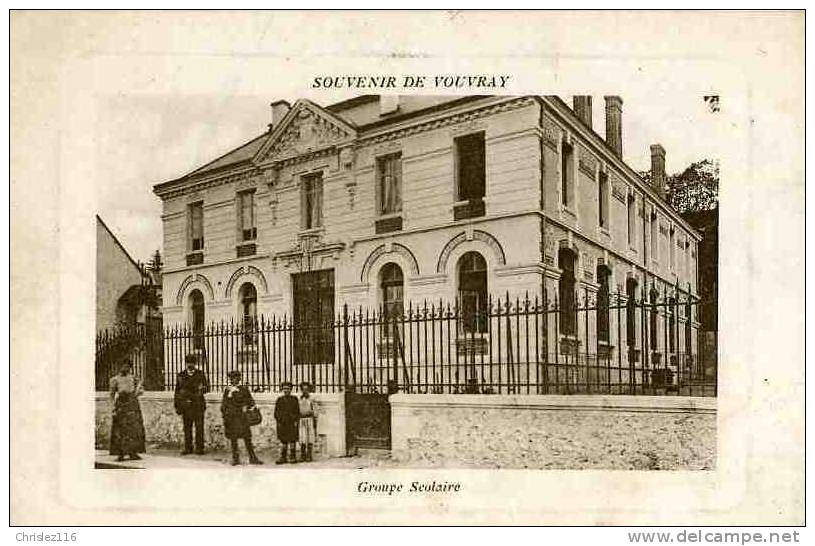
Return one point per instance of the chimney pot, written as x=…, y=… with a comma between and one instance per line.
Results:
x=581, y=104
x=614, y=124
x=279, y=110
x=388, y=104
x=658, y=178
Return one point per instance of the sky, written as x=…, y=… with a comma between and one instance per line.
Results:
x=148, y=139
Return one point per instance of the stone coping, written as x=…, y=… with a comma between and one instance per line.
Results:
x=621, y=403
x=260, y=397
x=598, y=402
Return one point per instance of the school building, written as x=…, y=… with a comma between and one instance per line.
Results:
x=385, y=202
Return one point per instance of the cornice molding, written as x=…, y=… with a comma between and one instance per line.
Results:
x=446, y=120
x=263, y=166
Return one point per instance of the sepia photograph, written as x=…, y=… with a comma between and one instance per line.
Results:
x=441, y=281
x=407, y=268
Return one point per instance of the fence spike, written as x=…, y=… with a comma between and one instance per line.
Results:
x=181, y=337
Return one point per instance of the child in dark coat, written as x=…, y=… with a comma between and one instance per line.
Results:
x=236, y=400
x=287, y=414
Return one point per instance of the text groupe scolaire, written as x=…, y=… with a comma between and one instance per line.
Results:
x=441, y=81
x=390, y=488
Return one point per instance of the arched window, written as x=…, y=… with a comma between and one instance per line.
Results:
x=631, y=313
x=472, y=289
x=688, y=325
x=652, y=315
x=392, y=295
x=568, y=313
x=672, y=324
x=249, y=303
x=197, y=317
x=602, y=303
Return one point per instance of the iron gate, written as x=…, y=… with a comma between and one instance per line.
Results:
x=367, y=421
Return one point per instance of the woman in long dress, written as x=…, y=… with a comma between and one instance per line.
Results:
x=127, y=428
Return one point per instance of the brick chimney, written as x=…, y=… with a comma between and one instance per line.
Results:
x=581, y=104
x=279, y=110
x=614, y=124
x=658, y=179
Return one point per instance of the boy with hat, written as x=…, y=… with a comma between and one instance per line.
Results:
x=286, y=414
x=308, y=422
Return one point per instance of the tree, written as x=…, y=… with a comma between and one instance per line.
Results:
x=694, y=189
x=694, y=193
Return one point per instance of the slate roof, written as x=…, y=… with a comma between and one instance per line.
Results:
x=242, y=153
x=362, y=110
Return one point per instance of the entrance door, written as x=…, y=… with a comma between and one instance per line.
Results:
x=367, y=421
x=313, y=318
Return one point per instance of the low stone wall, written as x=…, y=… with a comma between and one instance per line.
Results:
x=164, y=428
x=554, y=432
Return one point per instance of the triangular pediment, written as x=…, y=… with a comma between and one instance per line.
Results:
x=307, y=128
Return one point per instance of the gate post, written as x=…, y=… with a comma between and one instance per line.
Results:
x=393, y=352
x=345, y=346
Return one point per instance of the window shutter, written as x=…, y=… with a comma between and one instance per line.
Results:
x=397, y=183
x=238, y=218
x=380, y=186
x=318, y=202
x=303, y=190
x=189, y=228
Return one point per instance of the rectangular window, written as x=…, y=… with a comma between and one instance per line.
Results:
x=195, y=215
x=566, y=173
x=688, y=271
x=672, y=252
x=389, y=183
x=602, y=199
x=643, y=211
x=312, y=201
x=632, y=213
x=654, y=236
x=247, y=227
x=470, y=167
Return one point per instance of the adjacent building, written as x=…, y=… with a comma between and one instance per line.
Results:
x=125, y=289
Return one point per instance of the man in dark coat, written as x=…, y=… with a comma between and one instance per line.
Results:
x=287, y=414
x=190, y=386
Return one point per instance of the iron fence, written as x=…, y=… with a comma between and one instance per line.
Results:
x=593, y=345
x=139, y=344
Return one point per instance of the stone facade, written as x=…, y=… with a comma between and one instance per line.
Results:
x=164, y=428
x=524, y=225
x=642, y=253
x=555, y=432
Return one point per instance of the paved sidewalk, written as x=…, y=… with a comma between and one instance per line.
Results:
x=166, y=458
